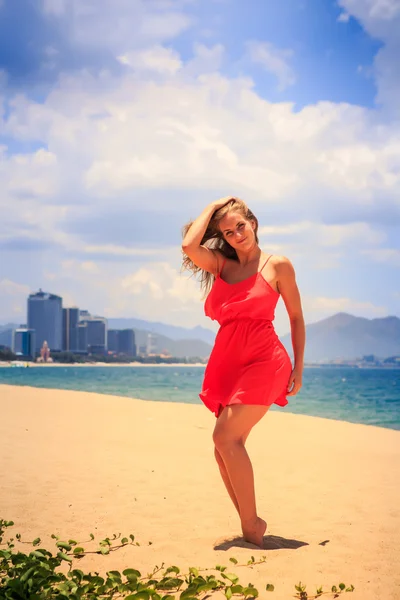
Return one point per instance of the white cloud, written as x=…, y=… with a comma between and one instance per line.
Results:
x=328, y=306
x=13, y=299
x=343, y=17
x=179, y=137
x=113, y=250
x=120, y=25
x=116, y=136
x=381, y=19
x=321, y=235
x=31, y=174
x=158, y=58
x=11, y=288
x=390, y=256
x=274, y=60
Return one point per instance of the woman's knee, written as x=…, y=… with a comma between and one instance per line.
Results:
x=222, y=438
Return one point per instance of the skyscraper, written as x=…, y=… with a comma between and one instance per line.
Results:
x=96, y=334
x=45, y=317
x=23, y=342
x=126, y=342
x=70, y=329
x=121, y=341
x=82, y=338
x=112, y=340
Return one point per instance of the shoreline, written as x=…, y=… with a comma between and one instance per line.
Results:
x=25, y=364
x=100, y=364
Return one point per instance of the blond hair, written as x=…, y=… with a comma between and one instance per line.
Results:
x=214, y=239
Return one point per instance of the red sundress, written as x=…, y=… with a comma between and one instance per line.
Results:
x=248, y=363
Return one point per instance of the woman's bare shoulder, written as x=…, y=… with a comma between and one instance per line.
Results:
x=281, y=262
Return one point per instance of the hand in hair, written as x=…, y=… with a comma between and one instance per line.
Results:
x=222, y=201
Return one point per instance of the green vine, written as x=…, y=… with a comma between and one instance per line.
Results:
x=33, y=576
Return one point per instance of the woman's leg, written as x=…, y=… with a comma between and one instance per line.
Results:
x=231, y=430
x=224, y=473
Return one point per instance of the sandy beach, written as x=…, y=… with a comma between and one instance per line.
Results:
x=72, y=463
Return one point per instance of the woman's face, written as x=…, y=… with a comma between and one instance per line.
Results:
x=237, y=231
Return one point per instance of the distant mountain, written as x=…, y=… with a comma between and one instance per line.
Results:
x=344, y=336
x=178, y=348
x=171, y=331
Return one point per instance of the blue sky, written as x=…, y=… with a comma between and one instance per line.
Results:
x=120, y=120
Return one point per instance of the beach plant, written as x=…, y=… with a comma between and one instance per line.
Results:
x=36, y=575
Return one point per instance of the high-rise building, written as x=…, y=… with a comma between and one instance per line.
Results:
x=23, y=342
x=112, y=340
x=70, y=329
x=126, y=342
x=96, y=334
x=45, y=317
x=82, y=335
x=121, y=341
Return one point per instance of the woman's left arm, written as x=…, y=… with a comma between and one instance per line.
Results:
x=287, y=286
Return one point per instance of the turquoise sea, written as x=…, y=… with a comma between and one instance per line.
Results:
x=369, y=396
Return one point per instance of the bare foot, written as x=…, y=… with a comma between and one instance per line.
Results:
x=255, y=533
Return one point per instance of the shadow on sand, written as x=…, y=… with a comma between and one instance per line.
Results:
x=271, y=542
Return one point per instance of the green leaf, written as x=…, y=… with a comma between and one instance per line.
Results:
x=270, y=587
x=91, y=536
x=63, y=556
x=232, y=577
x=169, y=583
x=36, y=542
x=124, y=540
x=188, y=595
x=250, y=591
x=232, y=559
x=342, y=586
x=37, y=554
x=143, y=595
x=72, y=542
x=27, y=574
x=105, y=550
x=131, y=574
x=63, y=545
x=228, y=593
x=173, y=569
x=237, y=589
x=77, y=574
x=78, y=550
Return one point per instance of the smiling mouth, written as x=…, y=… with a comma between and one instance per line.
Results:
x=241, y=241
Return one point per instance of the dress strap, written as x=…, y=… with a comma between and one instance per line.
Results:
x=265, y=262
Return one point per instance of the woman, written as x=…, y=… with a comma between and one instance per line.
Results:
x=248, y=369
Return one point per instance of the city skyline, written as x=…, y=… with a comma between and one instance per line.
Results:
x=120, y=129
x=67, y=329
